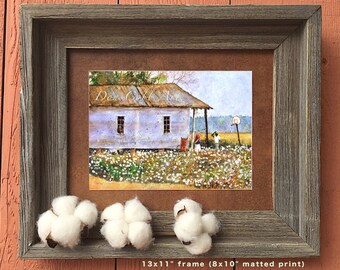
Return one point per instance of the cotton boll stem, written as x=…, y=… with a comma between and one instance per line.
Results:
x=200, y=245
x=189, y=205
x=64, y=205
x=51, y=243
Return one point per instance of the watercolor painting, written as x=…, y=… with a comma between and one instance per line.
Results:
x=170, y=130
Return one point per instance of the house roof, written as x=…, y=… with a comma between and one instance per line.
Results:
x=147, y=95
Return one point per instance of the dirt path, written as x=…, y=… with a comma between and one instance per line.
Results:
x=97, y=183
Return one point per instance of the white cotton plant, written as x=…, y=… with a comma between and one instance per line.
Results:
x=44, y=225
x=138, y=217
x=64, y=205
x=64, y=222
x=211, y=224
x=115, y=229
x=199, y=245
x=193, y=229
x=135, y=211
x=140, y=235
x=116, y=233
x=187, y=205
x=188, y=226
x=87, y=212
x=66, y=230
x=112, y=212
x=129, y=223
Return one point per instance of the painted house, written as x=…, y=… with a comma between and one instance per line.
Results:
x=140, y=116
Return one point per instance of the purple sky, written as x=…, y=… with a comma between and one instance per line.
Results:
x=228, y=92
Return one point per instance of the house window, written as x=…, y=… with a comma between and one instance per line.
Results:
x=120, y=124
x=166, y=122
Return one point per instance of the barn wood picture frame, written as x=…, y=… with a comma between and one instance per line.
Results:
x=294, y=35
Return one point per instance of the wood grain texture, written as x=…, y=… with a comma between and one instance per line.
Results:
x=53, y=117
x=237, y=236
x=134, y=264
x=2, y=52
x=231, y=35
x=286, y=109
x=50, y=85
x=9, y=199
x=298, y=110
x=330, y=114
x=185, y=13
x=309, y=141
x=174, y=2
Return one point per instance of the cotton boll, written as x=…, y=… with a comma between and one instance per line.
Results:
x=87, y=212
x=200, y=245
x=188, y=226
x=116, y=233
x=65, y=230
x=64, y=205
x=113, y=212
x=136, y=211
x=211, y=224
x=140, y=234
x=44, y=224
x=187, y=205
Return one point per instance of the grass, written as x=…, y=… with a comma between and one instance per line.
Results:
x=229, y=138
x=225, y=168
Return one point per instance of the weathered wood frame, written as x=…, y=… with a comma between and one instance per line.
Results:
x=292, y=32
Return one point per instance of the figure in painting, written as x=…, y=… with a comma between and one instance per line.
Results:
x=216, y=139
x=197, y=143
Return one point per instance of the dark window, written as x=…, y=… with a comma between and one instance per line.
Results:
x=166, y=121
x=120, y=124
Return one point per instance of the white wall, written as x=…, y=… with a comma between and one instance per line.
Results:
x=143, y=127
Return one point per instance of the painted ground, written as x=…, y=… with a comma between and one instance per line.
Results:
x=226, y=168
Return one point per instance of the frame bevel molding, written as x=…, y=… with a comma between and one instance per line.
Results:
x=292, y=229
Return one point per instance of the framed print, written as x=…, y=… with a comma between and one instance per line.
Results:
x=66, y=49
x=152, y=130
x=80, y=61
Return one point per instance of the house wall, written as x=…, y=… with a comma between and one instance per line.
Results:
x=143, y=127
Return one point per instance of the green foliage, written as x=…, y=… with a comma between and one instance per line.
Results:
x=126, y=77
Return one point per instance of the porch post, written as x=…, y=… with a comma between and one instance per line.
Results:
x=206, y=127
x=193, y=129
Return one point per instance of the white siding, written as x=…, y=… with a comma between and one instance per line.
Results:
x=143, y=127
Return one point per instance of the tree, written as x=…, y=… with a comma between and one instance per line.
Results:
x=126, y=77
x=184, y=77
x=140, y=77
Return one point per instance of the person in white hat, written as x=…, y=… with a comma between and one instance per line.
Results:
x=216, y=140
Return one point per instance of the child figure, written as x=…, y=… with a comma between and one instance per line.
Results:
x=197, y=143
x=216, y=139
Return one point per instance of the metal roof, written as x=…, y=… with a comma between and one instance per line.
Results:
x=146, y=95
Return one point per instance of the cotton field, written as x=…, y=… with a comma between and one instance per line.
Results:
x=225, y=168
